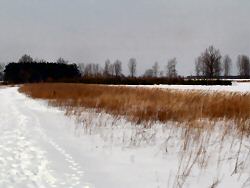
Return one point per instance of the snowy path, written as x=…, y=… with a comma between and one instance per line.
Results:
x=29, y=157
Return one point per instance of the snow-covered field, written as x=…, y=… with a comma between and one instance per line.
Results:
x=235, y=87
x=41, y=147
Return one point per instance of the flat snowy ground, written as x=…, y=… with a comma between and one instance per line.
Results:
x=235, y=87
x=41, y=147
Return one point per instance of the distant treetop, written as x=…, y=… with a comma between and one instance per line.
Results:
x=62, y=61
x=25, y=59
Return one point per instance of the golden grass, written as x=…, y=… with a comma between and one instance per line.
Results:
x=141, y=104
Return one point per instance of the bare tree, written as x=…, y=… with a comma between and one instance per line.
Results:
x=62, y=61
x=88, y=70
x=25, y=59
x=132, y=67
x=2, y=67
x=96, y=69
x=155, y=69
x=111, y=69
x=171, y=68
x=118, y=68
x=243, y=64
x=199, y=67
x=149, y=73
x=92, y=69
x=211, y=60
x=106, y=71
x=227, y=65
x=161, y=74
x=81, y=67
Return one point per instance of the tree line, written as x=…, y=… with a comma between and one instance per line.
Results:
x=209, y=65
x=115, y=69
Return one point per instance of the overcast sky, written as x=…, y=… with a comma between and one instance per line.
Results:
x=84, y=31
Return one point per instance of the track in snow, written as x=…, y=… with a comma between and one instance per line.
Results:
x=30, y=158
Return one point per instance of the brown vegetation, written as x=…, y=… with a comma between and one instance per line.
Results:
x=141, y=104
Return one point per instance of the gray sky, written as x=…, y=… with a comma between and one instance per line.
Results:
x=84, y=31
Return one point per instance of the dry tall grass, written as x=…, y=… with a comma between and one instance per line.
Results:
x=141, y=104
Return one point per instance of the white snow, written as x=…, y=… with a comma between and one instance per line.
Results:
x=242, y=87
x=41, y=147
